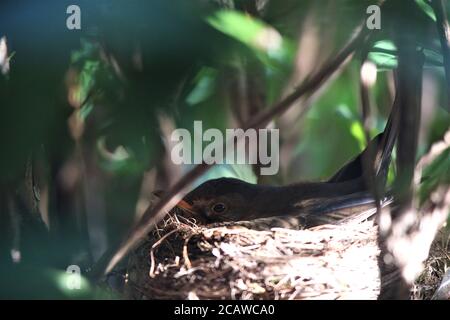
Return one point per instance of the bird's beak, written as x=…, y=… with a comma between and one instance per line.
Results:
x=185, y=206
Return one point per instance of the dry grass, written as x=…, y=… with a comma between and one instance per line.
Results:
x=184, y=261
x=181, y=260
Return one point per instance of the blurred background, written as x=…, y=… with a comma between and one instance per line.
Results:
x=86, y=115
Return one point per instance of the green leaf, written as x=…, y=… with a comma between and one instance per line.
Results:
x=239, y=26
x=426, y=8
x=23, y=281
x=357, y=132
x=123, y=160
x=435, y=174
x=204, y=86
x=239, y=171
x=384, y=55
x=266, y=42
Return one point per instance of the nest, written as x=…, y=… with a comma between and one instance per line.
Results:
x=181, y=260
x=435, y=267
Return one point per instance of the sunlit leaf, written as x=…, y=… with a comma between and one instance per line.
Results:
x=426, y=8
x=358, y=133
x=254, y=33
x=383, y=54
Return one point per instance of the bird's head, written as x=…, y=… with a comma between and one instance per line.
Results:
x=223, y=199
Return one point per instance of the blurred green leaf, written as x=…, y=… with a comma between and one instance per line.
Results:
x=383, y=54
x=23, y=281
x=357, y=131
x=435, y=174
x=433, y=58
x=122, y=160
x=238, y=171
x=425, y=6
x=268, y=43
x=204, y=86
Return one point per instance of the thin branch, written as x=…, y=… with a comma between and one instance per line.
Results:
x=369, y=171
x=444, y=36
x=153, y=215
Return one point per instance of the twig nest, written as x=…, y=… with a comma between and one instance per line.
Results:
x=183, y=261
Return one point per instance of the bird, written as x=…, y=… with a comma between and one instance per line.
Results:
x=312, y=203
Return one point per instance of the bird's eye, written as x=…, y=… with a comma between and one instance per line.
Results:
x=219, y=207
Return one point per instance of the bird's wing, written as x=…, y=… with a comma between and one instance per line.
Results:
x=351, y=208
x=336, y=210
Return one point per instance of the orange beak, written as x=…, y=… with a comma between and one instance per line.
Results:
x=185, y=206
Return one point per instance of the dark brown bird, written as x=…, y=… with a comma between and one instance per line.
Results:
x=346, y=192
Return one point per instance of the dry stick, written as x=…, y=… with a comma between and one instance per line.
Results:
x=153, y=215
x=444, y=36
x=370, y=174
x=152, y=252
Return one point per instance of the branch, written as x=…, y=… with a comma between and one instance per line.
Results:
x=369, y=172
